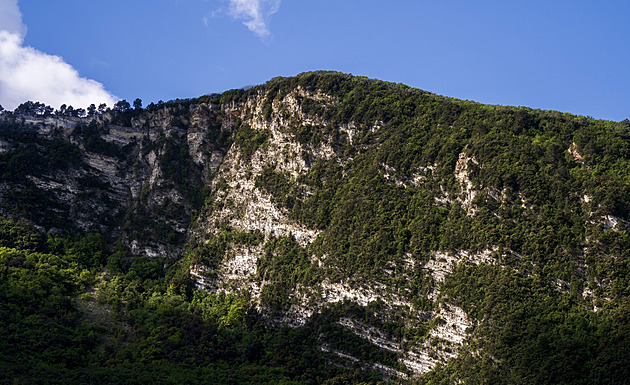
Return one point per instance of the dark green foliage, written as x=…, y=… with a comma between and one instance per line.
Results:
x=38, y=157
x=249, y=140
x=179, y=168
x=16, y=235
x=213, y=249
x=33, y=108
x=523, y=152
x=218, y=139
x=285, y=264
x=527, y=156
x=281, y=189
x=137, y=326
x=91, y=135
x=176, y=162
x=33, y=203
x=386, y=202
x=538, y=335
x=31, y=155
x=232, y=96
x=149, y=223
x=122, y=113
x=41, y=329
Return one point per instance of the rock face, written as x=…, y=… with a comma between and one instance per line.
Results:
x=250, y=208
x=140, y=180
x=250, y=176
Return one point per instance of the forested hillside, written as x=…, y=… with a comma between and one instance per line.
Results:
x=322, y=228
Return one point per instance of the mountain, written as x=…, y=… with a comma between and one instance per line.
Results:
x=322, y=228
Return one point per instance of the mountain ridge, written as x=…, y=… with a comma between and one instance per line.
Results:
x=414, y=232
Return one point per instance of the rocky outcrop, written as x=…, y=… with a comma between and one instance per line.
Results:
x=240, y=204
x=131, y=180
x=191, y=172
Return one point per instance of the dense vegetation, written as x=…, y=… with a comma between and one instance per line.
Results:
x=72, y=312
x=551, y=203
x=523, y=155
x=538, y=221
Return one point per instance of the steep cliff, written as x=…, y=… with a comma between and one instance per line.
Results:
x=412, y=232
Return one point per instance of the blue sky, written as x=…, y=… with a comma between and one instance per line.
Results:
x=570, y=56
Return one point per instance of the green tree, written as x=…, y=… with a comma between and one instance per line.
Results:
x=121, y=106
x=91, y=110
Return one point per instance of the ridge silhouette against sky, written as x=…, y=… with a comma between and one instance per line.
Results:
x=564, y=55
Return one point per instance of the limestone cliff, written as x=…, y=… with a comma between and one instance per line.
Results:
x=315, y=216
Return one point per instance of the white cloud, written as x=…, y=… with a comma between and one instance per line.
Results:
x=255, y=14
x=11, y=18
x=29, y=74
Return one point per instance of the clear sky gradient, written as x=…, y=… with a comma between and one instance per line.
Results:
x=572, y=56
